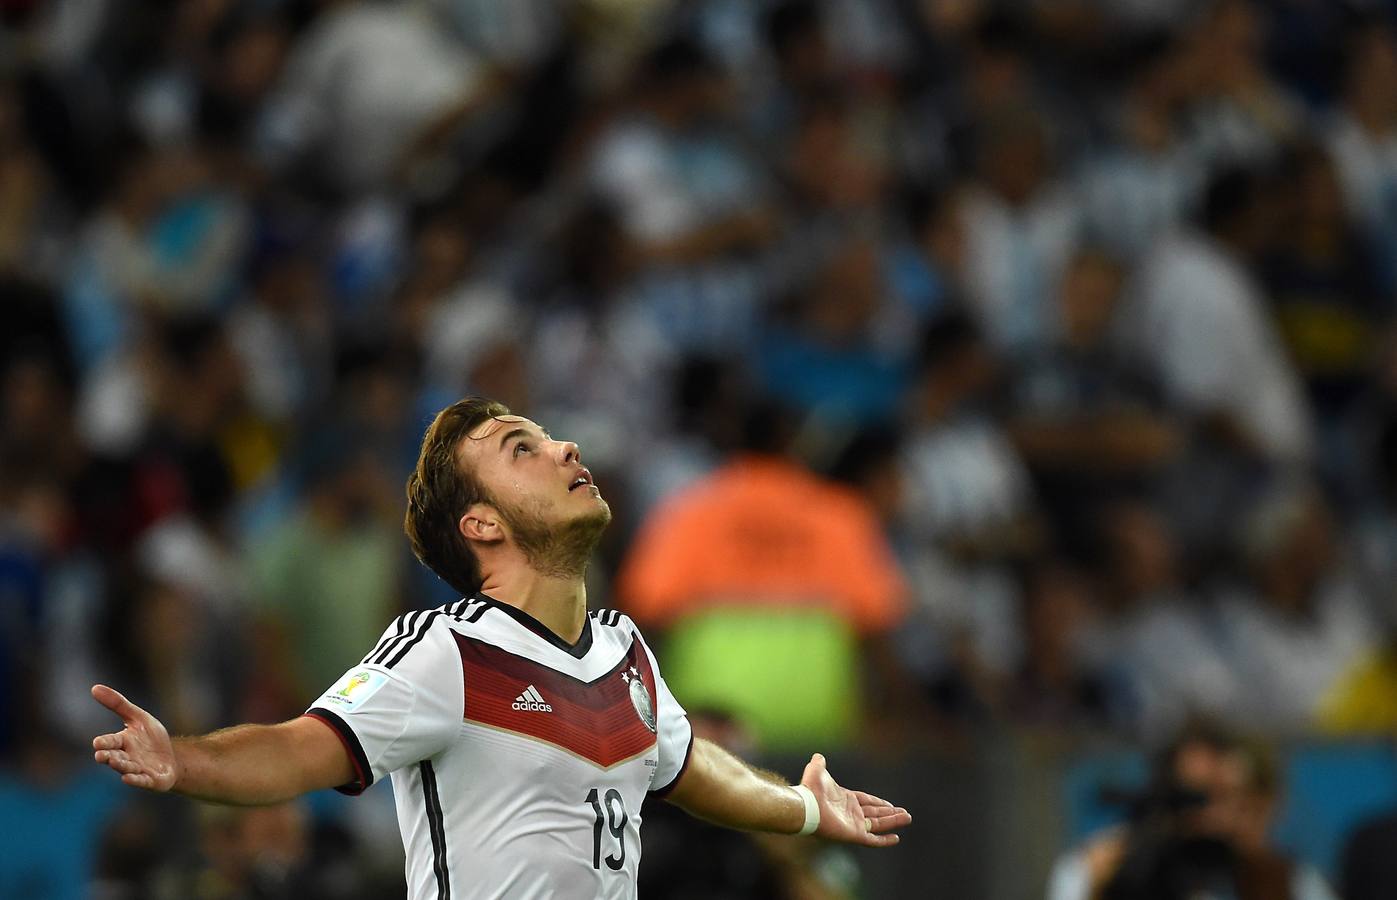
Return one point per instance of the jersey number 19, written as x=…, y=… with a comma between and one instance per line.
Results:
x=607, y=815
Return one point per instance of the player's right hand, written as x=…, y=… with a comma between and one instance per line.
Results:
x=142, y=752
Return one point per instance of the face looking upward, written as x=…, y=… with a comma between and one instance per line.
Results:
x=540, y=496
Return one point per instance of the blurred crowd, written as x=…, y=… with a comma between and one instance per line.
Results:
x=947, y=363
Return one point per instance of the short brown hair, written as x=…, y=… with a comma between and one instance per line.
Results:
x=440, y=490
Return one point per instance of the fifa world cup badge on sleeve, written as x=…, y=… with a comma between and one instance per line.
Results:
x=640, y=698
x=356, y=687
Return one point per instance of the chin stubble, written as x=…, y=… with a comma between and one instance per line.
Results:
x=560, y=551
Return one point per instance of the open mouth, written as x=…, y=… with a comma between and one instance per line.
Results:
x=584, y=479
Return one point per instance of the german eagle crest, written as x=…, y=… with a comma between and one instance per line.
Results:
x=640, y=698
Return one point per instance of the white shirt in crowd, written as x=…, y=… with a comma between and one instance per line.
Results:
x=1131, y=198
x=1170, y=661
x=1367, y=168
x=1199, y=321
x=1014, y=262
x=964, y=478
x=1288, y=665
x=363, y=84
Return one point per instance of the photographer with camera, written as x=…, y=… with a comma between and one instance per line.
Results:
x=1198, y=832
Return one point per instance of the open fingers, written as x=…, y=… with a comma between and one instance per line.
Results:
x=882, y=824
x=868, y=800
x=108, y=742
x=880, y=840
x=118, y=761
x=880, y=812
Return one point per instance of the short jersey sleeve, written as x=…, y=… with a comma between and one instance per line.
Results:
x=404, y=703
x=673, y=733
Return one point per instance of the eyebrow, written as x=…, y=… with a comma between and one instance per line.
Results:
x=519, y=432
x=513, y=433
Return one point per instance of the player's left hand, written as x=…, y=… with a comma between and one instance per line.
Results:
x=852, y=816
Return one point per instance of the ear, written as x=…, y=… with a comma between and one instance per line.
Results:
x=481, y=524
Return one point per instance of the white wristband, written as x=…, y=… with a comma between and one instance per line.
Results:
x=812, y=809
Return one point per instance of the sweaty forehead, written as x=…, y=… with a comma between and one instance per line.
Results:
x=484, y=439
x=493, y=426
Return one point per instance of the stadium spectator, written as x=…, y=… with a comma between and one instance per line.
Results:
x=1240, y=116
x=1198, y=321
x=825, y=358
x=27, y=193
x=1301, y=619
x=1089, y=424
x=942, y=641
x=1201, y=825
x=967, y=506
x=978, y=66
x=598, y=367
x=1154, y=636
x=169, y=242
x=1365, y=699
x=328, y=576
x=928, y=271
x=793, y=590
x=1323, y=285
x=365, y=91
x=1057, y=687
x=836, y=181
x=1362, y=137
x=261, y=853
x=1021, y=228
x=805, y=68
x=967, y=485
x=56, y=814
x=1145, y=183
x=690, y=200
x=283, y=335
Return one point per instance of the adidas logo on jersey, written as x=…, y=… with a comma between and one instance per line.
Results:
x=531, y=701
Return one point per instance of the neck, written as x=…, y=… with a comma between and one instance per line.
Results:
x=559, y=602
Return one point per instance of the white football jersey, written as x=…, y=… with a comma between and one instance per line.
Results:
x=519, y=763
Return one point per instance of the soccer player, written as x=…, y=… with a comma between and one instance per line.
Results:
x=521, y=732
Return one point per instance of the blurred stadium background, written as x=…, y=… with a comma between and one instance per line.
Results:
x=985, y=392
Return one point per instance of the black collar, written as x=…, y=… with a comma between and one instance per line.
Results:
x=577, y=650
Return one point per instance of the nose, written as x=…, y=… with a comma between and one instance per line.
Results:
x=571, y=454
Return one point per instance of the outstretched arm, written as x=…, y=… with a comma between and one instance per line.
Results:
x=247, y=765
x=721, y=788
